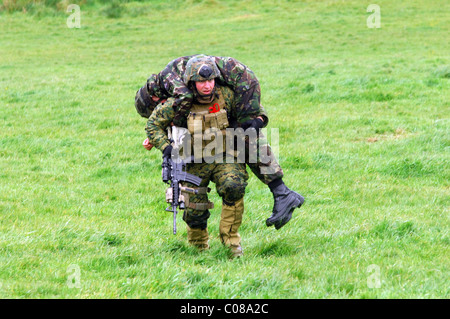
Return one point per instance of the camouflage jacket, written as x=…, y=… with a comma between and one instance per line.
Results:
x=234, y=74
x=164, y=114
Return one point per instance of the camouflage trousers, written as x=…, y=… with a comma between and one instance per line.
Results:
x=253, y=151
x=265, y=166
x=230, y=180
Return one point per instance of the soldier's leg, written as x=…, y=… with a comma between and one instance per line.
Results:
x=269, y=171
x=196, y=213
x=231, y=180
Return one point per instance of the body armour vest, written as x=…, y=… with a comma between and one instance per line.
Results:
x=207, y=125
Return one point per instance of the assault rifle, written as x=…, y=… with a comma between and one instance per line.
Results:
x=174, y=172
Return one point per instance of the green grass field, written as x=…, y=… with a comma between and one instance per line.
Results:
x=363, y=119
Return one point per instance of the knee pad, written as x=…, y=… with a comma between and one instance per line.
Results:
x=196, y=220
x=232, y=191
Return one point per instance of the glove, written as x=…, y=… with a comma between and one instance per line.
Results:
x=256, y=123
x=167, y=151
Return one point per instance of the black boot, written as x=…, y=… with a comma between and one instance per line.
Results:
x=285, y=201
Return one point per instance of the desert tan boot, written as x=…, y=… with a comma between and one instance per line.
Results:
x=198, y=237
x=230, y=222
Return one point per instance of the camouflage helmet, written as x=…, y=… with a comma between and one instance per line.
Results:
x=200, y=68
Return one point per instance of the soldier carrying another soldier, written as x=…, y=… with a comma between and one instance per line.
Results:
x=201, y=82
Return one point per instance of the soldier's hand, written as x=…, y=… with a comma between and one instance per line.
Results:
x=147, y=144
x=256, y=123
x=167, y=151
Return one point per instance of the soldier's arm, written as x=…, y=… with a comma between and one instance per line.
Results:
x=241, y=117
x=167, y=83
x=171, y=78
x=157, y=124
x=246, y=87
x=263, y=116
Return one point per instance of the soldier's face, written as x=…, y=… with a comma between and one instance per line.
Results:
x=205, y=87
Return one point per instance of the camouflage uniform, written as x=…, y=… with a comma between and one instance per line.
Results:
x=233, y=74
x=230, y=178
